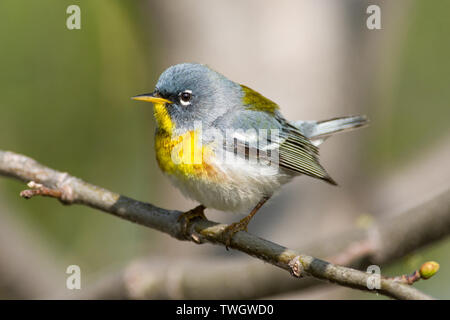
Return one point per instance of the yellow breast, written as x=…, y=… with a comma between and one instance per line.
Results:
x=181, y=155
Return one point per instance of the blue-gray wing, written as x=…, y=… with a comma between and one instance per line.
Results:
x=267, y=134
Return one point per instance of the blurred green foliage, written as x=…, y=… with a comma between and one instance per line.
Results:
x=414, y=108
x=65, y=101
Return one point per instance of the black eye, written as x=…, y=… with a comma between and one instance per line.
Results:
x=185, y=97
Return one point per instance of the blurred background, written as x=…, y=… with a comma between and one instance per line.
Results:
x=65, y=101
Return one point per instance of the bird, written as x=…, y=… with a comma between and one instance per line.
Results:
x=227, y=146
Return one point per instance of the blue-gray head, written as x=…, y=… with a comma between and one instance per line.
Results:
x=191, y=92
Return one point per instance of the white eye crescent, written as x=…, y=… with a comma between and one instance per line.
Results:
x=185, y=97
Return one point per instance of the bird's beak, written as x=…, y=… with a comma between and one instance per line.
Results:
x=150, y=97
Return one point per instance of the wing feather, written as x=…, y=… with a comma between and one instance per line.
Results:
x=296, y=153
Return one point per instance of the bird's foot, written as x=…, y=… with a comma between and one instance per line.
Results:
x=234, y=228
x=188, y=216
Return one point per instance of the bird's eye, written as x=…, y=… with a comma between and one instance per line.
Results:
x=185, y=97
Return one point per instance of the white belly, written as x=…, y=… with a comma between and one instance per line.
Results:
x=238, y=188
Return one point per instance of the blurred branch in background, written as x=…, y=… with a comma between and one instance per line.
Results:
x=27, y=267
x=71, y=190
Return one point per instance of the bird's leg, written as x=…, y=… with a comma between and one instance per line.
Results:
x=188, y=216
x=242, y=225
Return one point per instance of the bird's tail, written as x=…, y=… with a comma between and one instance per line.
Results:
x=318, y=131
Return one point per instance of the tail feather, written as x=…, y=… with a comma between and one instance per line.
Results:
x=318, y=131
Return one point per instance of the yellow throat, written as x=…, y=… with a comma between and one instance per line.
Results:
x=181, y=155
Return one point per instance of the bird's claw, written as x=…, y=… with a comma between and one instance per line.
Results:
x=188, y=216
x=232, y=229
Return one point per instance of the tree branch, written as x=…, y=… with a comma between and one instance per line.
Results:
x=72, y=190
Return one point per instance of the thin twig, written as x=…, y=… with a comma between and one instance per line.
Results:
x=40, y=190
x=76, y=191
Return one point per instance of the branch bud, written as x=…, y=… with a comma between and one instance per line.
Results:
x=428, y=269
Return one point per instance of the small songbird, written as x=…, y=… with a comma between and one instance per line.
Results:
x=228, y=147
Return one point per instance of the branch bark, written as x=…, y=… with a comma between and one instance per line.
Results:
x=72, y=190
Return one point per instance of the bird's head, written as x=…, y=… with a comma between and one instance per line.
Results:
x=188, y=93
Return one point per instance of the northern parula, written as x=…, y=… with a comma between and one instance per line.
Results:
x=228, y=147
